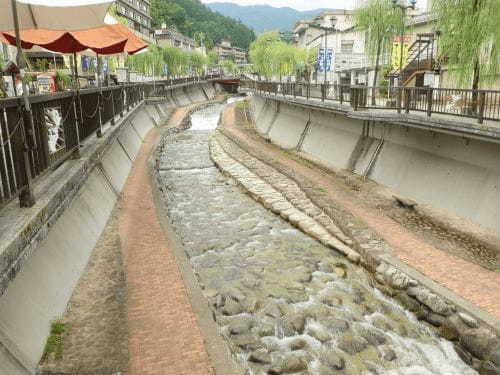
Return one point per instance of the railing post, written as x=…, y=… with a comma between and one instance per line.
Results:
x=430, y=94
x=26, y=196
x=113, y=107
x=407, y=92
x=399, y=98
x=323, y=92
x=482, y=102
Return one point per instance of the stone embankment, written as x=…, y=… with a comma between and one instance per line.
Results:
x=477, y=343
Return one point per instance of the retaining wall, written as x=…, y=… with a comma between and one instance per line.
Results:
x=443, y=170
x=41, y=289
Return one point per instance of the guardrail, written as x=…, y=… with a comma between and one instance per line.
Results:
x=61, y=121
x=478, y=104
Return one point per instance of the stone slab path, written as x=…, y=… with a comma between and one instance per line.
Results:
x=474, y=283
x=164, y=337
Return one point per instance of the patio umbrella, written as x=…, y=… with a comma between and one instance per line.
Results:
x=66, y=15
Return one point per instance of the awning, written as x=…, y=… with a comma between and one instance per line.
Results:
x=64, y=15
x=105, y=40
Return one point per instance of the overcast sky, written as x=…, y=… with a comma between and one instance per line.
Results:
x=303, y=4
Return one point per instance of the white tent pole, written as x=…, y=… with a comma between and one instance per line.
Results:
x=26, y=197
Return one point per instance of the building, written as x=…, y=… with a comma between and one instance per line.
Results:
x=225, y=51
x=287, y=36
x=137, y=14
x=169, y=37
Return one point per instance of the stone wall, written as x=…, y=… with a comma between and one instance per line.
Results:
x=61, y=230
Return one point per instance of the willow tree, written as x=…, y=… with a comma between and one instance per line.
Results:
x=379, y=20
x=470, y=39
x=261, y=53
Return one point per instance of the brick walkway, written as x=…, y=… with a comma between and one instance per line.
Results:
x=164, y=337
x=470, y=281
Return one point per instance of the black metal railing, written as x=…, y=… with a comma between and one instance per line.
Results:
x=61, y=122
x=478, y=104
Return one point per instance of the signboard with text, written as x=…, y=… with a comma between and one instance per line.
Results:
x=322, y=61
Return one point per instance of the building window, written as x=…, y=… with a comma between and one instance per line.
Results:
x=346, y=46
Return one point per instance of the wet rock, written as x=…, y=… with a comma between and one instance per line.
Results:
x=469, y=320
x=431, y=300
x=452, y=327
x=463, y=354
x=240, y=325
x=297, y=344
x=477, y=342
x=352, y=344
x=317, y=311
x=388, y=354
x=260, y=356
x=489, y=368
x=381, y=323
x=297, y=321
x=266, y=329
x=246, y=341
x=234, y=293
x=341, y=270
x=231, y=307
x=325, y=267
x=319, y=333
x=335, y=325
x=251, y=304
x=373, y=336
x=435, y=319
x=331, y=301
x=396, y=278
x=495, y=355
x=333, y=360
x=273, y=310
x=210, y=293
x=288, y=365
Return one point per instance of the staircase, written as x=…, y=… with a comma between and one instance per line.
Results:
x=421, y=58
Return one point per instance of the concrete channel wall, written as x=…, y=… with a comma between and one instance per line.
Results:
x=443, y=170
x=41, y=289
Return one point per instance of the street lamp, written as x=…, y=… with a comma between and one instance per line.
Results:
x=328, y=26
x=403, y=5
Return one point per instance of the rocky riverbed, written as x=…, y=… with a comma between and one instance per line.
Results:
x=284, y=302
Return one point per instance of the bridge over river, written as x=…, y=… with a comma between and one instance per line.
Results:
x=211, y=232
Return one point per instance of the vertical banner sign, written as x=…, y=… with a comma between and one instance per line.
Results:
x=396, y=51
x=321, y=60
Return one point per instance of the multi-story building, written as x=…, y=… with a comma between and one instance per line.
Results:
x=137, y=13
x=225, y=51
x=168, y=36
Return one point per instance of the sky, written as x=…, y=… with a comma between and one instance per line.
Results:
x=303, y=4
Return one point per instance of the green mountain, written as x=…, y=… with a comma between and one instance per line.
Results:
x=192, y=18
x=264, y=17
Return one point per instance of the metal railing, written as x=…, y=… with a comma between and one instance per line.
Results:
x=478, y=104
x=61, y=122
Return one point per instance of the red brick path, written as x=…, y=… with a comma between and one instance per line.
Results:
x=470, y=281
x=164, y=337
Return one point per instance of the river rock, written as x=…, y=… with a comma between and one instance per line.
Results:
x=495, y=356
x=388, y=354
x=435, y=319
x=246, y=341
x=297, y=321
x=469, y=320
x=478, y=342
x=331, y=301
x=273, y=310
x=297, y=344
x=452, y=327
x=372, y=335
x=289, y=365
x=234, y=293
x=463, y=354
x=325, y=267
x=341, y=270
x=489, y=368
x=396, y=278
x=431, y=300
x=266, y=329
x=260, y=356
x=333, y=360
x=352, y=344
x=335, y=325
x=240, y=325
x=231, y=307
x=319, y=333
x=251, y=304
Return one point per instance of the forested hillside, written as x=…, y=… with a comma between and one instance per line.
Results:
x=264, y=17
x=191, y=18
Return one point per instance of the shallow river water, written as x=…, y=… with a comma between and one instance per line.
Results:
x=285, y=303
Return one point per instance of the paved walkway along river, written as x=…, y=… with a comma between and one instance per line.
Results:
x=284, y=302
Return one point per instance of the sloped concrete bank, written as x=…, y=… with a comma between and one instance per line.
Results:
x=475, y=334
x=449, y=172
x=44, y=249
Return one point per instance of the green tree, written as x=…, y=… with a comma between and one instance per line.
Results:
x=379, y=20
x=470, y=39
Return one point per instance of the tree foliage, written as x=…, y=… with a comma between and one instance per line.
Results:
x=470, y=38
x=379, y=20
x=272, y=57
x=179, y=62
x=191, y=17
